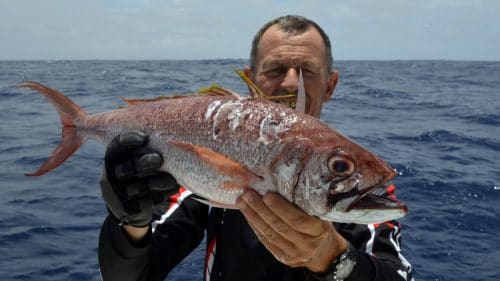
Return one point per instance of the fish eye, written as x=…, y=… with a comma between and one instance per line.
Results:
x=341, y=166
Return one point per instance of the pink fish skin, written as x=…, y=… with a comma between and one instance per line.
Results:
x=216, y=146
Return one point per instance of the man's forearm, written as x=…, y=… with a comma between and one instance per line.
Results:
x=119, y=257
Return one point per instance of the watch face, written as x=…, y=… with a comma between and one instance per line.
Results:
x=344, y=269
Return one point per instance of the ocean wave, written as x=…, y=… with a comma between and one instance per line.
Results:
x=434, y=105
x=445, y=136
x=383, y=93
x=490, y=119
x=27, y=233
x=435, y=120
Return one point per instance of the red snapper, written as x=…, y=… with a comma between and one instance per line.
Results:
x=216, y=146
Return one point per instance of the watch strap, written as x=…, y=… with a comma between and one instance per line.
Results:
x=341, y=267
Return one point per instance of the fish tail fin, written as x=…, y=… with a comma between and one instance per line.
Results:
x=69, y=112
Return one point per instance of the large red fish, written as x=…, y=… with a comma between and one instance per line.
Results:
x=218, y=146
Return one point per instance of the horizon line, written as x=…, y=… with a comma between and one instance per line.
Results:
x=243, y=59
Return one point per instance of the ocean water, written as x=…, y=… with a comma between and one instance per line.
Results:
x=436, y=122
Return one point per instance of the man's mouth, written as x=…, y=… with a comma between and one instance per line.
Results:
x=288, y=99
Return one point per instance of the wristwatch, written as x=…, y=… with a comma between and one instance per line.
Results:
x=341, y=267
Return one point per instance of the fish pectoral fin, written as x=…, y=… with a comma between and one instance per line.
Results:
x=241, y=176
x=234, y=184
x=216, y=204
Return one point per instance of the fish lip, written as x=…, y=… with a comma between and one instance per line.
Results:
x=370, y=200
x=392, y=203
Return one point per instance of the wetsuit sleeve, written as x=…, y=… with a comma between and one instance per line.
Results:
x=177, y=232
x=378, y=250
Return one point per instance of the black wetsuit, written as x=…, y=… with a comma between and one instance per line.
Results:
x=233, y=251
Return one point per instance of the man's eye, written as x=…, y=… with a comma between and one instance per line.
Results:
x=307, y=73
x=274, y=72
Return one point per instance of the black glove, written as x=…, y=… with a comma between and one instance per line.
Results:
x=131, y=184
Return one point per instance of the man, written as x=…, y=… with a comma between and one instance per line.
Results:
x=268, y=238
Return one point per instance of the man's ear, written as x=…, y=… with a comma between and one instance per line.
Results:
x=248, y=73
x=333, y=78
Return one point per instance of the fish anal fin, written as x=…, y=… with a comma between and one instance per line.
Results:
x=222, y=164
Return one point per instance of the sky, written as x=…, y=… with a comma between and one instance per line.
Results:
x=217, y=29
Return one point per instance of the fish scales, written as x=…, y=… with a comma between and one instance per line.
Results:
x=254, y=142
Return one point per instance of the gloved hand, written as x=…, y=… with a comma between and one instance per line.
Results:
x=130, y=182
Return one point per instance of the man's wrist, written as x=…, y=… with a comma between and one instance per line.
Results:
x=334, y=246
x=135, y=234
x=341, y=267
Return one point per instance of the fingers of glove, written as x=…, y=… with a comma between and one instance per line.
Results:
x=143, y=216
x=136, y=189
x=158, y=186
x=120, y=155
x=147, y=164
x=162, y=186
x=133, y=205
x=122, y=146
x=113, y=202
x=163, y=183
x=138, y=167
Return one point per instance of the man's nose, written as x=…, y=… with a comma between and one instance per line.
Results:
x=291, y=80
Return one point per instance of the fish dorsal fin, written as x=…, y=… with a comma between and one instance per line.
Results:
x=132, y=102
x=240, y=176
x=213, y=90
x=218, y=91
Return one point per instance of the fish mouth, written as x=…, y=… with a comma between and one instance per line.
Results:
x=379, y=198
x=375, y=205
x=376, y=197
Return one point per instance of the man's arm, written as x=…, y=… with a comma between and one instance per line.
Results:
x=154, y=256
x=300, y=240
x=295, y=238
x=379, y=244
x=133, y=189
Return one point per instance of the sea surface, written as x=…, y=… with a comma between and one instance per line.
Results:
x=436, y=122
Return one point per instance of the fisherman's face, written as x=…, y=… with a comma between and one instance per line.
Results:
x=280, y=56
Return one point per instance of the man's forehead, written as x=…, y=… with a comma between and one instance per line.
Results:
x=293, y=45
x=291, y=61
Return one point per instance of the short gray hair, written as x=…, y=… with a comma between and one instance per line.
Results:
x=293, y=25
